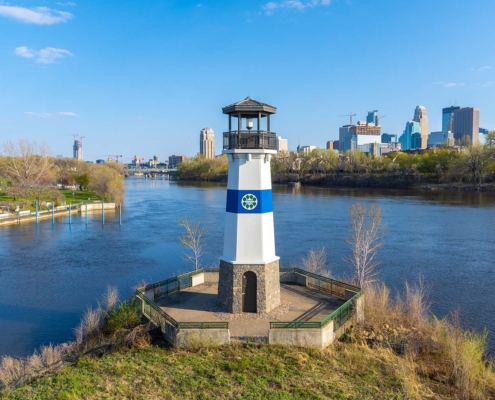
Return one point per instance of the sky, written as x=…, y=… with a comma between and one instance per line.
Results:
x=144, y=77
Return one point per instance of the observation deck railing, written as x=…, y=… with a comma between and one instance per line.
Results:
x=332, y=287
x=252, y=139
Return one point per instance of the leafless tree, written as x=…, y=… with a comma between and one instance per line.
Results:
x=192, y=240
x=316, y=262
x=366, y=234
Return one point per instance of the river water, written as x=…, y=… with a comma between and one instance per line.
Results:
x=50, y=274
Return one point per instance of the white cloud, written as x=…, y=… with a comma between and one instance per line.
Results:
x=47, y=115
x=272, y=6
x=488, y=84
x=67, y=4
x=448, y=84
x=37, y=15
x=481, y=69
x=48, y=55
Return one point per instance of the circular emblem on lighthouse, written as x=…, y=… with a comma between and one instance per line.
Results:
x=249, y=201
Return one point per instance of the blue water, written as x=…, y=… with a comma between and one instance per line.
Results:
x=50, y=274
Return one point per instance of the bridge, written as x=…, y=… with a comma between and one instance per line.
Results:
x=150, y=171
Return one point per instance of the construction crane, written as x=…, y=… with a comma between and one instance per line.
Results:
x=350, y=117
x=74, y=135
x=111, y=155
x=378, y=120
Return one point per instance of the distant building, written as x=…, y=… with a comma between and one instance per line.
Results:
x=387, y=148
x=282, y=144
x=436, y=139
x=467, y=123
x=389, y=138
x=162, y=165
x=344, y=136
x=336, y=145
x=207, y=143
x=421, y=117
x=330, y=144
x=483, y=131
x=372, y=117
x=175, y=160
x=406, y=139
x=305, y=150
x=77, y=150
x=100, y=161
x=448, y=118
x=156, y=159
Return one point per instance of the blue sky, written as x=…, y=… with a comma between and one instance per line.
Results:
x=143, y=77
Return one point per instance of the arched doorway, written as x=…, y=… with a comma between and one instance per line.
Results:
x=249, y=290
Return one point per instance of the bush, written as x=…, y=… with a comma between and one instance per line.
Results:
x=126, y=315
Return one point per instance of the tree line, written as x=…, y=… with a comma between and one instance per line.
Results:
x=32, y=174
x=467, y=164
x=204, y=169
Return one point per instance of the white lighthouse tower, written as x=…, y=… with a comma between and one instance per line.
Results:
x=249, y=268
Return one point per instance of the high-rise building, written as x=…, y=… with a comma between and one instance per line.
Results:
x=421, y=117
x=389, y=138
x=372, y=117
x=77, y=150
x=448, y=118
x=407, y=140
x=467, y=123
x=207, y=143
x=330, y=144
x=175, y=160
x=282, y=144
x=344, y=133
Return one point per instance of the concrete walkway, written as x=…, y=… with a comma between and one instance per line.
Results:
x=298, y=303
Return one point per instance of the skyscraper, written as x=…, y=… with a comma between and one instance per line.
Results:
x=466, y=123
x=421, y=117
x=207, y=143
x=411, y=132
x=448, y=118
x=372, y=117
x=77, y=150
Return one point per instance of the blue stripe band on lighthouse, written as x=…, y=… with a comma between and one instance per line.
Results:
x=249, y=201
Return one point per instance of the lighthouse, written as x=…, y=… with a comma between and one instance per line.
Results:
x=249, y=268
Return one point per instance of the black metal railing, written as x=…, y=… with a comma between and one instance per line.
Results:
x=249, y=140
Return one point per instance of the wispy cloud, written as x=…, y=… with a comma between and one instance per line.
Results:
x=48, y=55
x=37, y=15
x=273, y=6
x=488, y=84
x=448, y=84
x=47, y=115
x=481, y=69
x=67, y=4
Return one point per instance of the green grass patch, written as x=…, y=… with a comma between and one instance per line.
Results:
x=79, y=196
x=345, y=371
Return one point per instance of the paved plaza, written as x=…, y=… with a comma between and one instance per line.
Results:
x=298, y=303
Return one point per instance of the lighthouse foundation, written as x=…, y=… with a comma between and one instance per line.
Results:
x=249, y=287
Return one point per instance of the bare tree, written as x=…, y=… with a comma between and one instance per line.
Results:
x=366, y=234
x=192, y=240
x=316, y=262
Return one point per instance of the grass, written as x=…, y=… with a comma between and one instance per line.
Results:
x=80, y=196
x=251, y=372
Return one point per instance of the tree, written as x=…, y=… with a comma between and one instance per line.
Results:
x=316, y=262
x=366, y=234
x=107, y=183
x=192, y=240
x=82, y=180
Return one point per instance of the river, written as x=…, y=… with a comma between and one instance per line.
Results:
x=50, y=274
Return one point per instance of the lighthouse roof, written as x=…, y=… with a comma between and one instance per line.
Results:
x=249, y=106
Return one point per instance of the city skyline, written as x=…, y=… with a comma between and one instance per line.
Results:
x=128, y=90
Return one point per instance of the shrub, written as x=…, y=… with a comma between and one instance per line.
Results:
x=124, y=316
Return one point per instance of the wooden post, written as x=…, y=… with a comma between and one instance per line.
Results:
x=70, y=214
x=103, y=213
x=53, y=213
x=86, y=214
x=36, y=213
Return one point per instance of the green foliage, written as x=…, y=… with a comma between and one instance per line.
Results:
x=82, y=180
x=126, y=315
x=203, y=169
